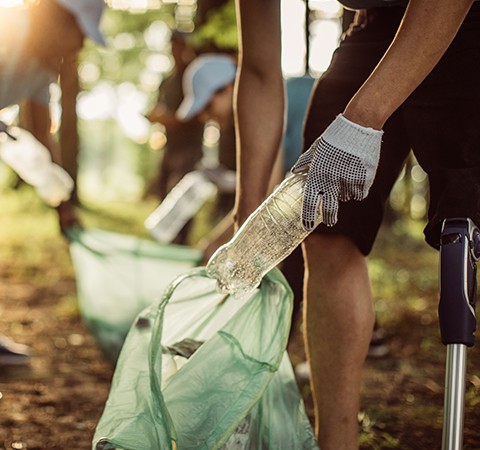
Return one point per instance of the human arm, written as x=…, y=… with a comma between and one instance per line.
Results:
x=38, y=121
x=160, y=114
x=224, y=230
x=163, y=111
x=426, y=32
x=343, y=161
x=259, y=105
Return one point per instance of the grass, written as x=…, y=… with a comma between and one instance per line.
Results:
x=32, y=247
x=403, y=393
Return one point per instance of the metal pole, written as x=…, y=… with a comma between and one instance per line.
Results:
x=456, y=364
x=459, y=253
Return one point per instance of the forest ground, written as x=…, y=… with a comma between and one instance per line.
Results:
x=56, y=402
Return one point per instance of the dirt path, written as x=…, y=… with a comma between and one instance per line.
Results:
x=56, y=403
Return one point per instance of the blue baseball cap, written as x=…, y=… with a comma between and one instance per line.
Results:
x=88, y=14
x=204, y=76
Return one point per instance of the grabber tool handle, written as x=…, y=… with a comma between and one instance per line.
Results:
x=459, y=252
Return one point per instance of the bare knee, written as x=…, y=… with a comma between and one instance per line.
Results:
x=327, y=254
x=337, y=285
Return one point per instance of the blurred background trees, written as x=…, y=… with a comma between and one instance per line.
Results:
x=112, y=147
x=120, y=149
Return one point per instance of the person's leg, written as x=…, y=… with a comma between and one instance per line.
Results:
x=338, y=310
x=338, y=326
x=12, y=353
x=339, y=315
x=293, y=268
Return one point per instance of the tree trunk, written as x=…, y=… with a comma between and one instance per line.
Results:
x=68, y=133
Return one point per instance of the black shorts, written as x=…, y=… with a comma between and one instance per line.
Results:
x=440, y=122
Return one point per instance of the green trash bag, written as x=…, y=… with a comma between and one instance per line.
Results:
x=117, y=276
x=203, y=370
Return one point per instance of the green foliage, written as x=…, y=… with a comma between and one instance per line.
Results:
x=472, y=396
x=138, y=56
x=120, y=217
x=378, y=441
x=407, y=277
x=119, y=63
x=370, y=437
x=31, y=246
x=220, y=29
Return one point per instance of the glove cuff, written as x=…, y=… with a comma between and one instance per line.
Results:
x=345, y=134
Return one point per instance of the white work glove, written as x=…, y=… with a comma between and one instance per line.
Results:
x=4, y=129
x=341, y=166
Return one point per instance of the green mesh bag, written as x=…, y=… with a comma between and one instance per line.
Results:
x=117, y=276
x=235, y=391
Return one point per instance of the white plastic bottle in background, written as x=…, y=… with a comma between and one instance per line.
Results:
x=32, y=161
x=179, y=206
x=56, y=187
x=266, y=238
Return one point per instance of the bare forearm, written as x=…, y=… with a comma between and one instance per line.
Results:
x=160, y=114
x=259, y=125
x=259, y=106
x=426, y=32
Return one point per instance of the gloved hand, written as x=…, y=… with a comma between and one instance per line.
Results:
x=341, y=166
x=4, y=129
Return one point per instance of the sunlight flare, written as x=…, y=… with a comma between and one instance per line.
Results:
x=10, y=3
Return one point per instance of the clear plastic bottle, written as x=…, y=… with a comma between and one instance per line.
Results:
x=179, y=206
x=266, y=238
x=32, y=161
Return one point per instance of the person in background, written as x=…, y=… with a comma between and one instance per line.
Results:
x=208, y=86
x=184, y=148
x=34, y=40
x=404, y=69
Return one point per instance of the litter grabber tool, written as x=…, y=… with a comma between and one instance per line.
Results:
x=459, y=253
